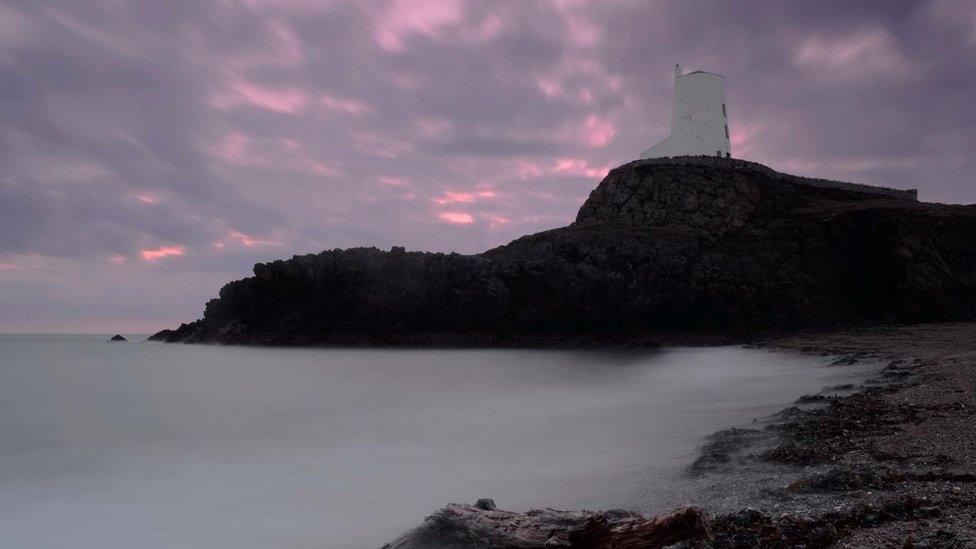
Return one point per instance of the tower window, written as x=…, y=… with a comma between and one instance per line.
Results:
x=726, y=132
x=723, y=111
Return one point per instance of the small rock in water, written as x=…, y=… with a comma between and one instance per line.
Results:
x=118, y=337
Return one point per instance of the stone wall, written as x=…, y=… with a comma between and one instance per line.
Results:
x=747, y=166
x=677, y=194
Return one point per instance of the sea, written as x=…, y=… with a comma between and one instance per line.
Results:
x=153, y=445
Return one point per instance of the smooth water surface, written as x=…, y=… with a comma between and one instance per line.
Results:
x=151, y=445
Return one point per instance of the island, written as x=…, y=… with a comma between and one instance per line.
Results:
x=714, y=248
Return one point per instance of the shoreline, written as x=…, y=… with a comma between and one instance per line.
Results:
x=491, y=340
x=888, y=462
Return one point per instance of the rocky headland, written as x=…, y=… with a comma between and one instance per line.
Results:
x=719, y=248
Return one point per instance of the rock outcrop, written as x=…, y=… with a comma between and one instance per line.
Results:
x=459, y=526
x=691, y=245
x=118, y=337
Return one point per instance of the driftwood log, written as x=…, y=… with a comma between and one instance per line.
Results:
x=482, y=526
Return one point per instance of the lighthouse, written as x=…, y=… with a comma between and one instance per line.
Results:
x=699, y=118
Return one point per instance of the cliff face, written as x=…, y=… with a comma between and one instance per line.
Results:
x=689, y=245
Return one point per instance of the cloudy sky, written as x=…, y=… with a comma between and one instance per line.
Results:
x=152, y=150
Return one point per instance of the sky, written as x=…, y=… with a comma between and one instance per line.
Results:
x=151, y=151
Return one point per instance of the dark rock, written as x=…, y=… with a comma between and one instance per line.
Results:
x=812, y=399
x=840, y=479
x=722, y=446
x=797, y=454
x=118, y=337
x=752, y=528
x=929, y=511
x=487, y=504
x=459, y=526
x=717, y=246
x=821, y=435
x=180, y=335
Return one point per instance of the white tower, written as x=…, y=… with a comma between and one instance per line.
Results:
x=699, y=118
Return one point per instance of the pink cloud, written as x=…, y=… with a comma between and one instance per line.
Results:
x=287, y=100
x=434, y=127
x=540, y=218
x=457, y=218
x=496, y=221
x=380, y=145
x=581, y=31
x=287, y=5
x=599, y=132
x=549, y=86
x=118, y=259
x=393, y=181
x=797, y=165
x=462, y=197
x=743, y=138
x=487, y=28
x=579, y=79
x=251, y=242
x=526, y=169
x=288, y=49
x=579, y=167
x=232, y=148
x=348, y=106
x=161, y=252
x=868, y=51
x=571, y=166
x=105, y=38
x=405, y=81
x=146, y=198
x=282, y=154
x=325, y=170
x=68, y=170
x=248, y=241
x=277, y=46
x=403, y=17
x=288, y=143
